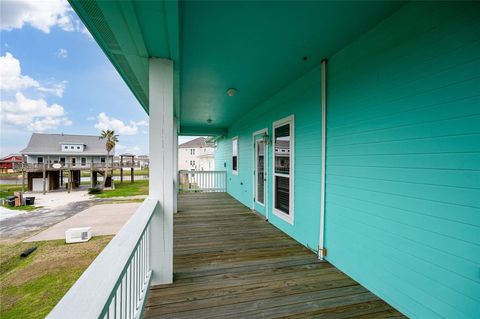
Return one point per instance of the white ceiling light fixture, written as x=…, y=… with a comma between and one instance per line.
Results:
x=231, y=91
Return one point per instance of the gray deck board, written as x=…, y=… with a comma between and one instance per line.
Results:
x=231, y=263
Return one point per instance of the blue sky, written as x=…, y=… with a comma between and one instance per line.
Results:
x=65, y=82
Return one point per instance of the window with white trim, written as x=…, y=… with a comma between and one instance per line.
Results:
x=235, y=155
x=283, y=168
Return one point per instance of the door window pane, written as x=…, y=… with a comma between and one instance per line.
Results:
x=260, y=172
x=282, y=194
x=283, y=166
x=282, y=149
x=235, y=155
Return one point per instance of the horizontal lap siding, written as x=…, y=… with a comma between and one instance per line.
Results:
x=302, y=99
x=403, y=160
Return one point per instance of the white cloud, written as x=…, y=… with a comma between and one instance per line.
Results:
x=62, y=53
x=85, y=31
x=105, y=122
x=35, y=115
x=134, y=150
x=90, y=118
x=42, y=15
x=54, y=88
x=12, y=79
x=122, y=149
x=11, y=74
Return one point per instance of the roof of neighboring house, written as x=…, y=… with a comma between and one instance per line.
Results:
x=198, y=142
x=15, y=157
x=50, y=144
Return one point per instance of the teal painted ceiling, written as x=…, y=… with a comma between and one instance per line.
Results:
x=255, y=47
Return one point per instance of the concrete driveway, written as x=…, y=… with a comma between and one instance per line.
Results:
x=105, y=219
x=56, y=207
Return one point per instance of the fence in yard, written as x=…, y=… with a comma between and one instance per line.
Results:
x=202, y=181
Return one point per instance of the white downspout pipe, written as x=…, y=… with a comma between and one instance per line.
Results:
x=322, y=252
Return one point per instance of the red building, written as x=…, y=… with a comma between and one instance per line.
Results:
x=6, y=163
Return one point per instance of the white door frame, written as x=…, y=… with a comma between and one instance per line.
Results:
x=254, y=173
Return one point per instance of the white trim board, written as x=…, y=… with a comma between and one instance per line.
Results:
x=321, y=241
x=289, y=218
x=254, y=194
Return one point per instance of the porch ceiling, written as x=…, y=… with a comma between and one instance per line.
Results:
x=255, y=47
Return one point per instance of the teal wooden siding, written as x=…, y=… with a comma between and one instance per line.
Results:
x=403, y=160
x=302, y=99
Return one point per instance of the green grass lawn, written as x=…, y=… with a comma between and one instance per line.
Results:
x=126, y=189
x=125, y=172
x=30, y=287
x=8, y=189
x=10, y=175
x=27, y=208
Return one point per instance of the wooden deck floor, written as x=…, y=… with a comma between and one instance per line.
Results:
x=230, y=263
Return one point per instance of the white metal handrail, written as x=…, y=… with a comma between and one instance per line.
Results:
x=202, y=181
x=115, y=285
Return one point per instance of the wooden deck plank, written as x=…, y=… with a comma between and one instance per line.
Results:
x=230, y=263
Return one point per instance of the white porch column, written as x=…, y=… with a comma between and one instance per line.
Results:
x=175, y=164
x=161, y=169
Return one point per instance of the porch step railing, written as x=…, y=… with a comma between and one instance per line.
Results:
x=116, y=283
x=202, y=181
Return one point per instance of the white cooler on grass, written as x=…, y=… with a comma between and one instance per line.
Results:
x=78, y=235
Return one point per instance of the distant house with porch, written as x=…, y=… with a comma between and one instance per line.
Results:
x=54, y=157
x=197, y=155
x=143, y=161
x=8, y=162
x=131, y=160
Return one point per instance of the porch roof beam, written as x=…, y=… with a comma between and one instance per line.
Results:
x=202, y=131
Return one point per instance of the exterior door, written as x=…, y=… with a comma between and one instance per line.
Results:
x=260, y=174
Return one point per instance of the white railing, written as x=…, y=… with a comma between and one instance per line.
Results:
x=116, y=283
x=202, y=181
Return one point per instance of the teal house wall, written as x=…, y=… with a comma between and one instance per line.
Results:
x=302, y=99
x=403, y=159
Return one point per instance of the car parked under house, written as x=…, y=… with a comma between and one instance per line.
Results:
x=352, y=127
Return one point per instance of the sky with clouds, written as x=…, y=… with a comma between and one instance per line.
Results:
x=54, y=78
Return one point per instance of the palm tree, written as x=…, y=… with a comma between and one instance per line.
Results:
x=111, y=139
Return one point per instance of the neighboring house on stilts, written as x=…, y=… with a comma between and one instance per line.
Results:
x=53, y=161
